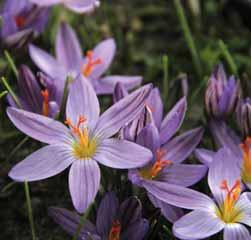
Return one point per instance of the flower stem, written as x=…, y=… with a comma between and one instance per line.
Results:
x=2, y=94
x=82, y=221
x=228, y=57
x=188, y=37
x=165, y=62
x=28, y=201
x=11, y=63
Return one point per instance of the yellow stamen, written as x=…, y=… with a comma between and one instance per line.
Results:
x=88, y=67
x=115, y=231
x=246, y=166
x=45, y=108
x=152, y=171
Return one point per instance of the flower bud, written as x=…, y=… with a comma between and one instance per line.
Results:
x=244, y=117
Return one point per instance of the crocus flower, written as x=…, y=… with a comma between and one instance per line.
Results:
x=78, y=6
x=21, y=20
x=113, y=221
x=70, y=62
x=229, y=209
x=222, y=94
x=86, y=141
x=32, y=97
x=244, y=117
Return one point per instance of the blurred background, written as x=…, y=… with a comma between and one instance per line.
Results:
x=153, y=41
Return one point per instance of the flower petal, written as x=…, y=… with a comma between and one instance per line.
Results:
x=183, y=174
x=223, y=167
x=41, y=128
x=47, y=63
x=173, y=120
x=122, y=154
x=84, y=180
x=170, y=212
x=106, y=213
x=104, y=51
x=106, y=85
x=122, y=112
x=197, y=225
x=44, y=163
x=82, y=101
x=205, y=156
x=80, y=6
x=68, y=50
x=179, y=148
x=179, y=196
x=244, y=205
x=119, y=92
x=46, y=2
x=236, y=232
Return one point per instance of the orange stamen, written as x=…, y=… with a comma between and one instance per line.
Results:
x=88, y=67
x=115, y=231
x=45, y=108
x=20, y=21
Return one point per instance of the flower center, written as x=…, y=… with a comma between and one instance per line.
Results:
x=228, y=211
x=88, y=67
x=246, y=166
x=45, y=107
x=83, y=147
x=153, y=171
x=115, y=231
x=20, y=21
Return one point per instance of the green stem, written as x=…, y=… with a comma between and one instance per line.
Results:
x=165, y=62
x=228, y=57
x=11, y=63
x=28, y=201
x=2, y=94
x=82, y=221
x=188, y=37
x=8, y=87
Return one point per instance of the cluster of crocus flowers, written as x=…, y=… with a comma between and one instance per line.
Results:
x=114, y=221
x=83, y=141
x=69, y=61
x=21, y=21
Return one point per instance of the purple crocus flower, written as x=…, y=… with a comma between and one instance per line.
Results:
x=78, y=6
x=228, y=210
x=21, y=20
x=113, y=222
x=70, y=62
x=86, y=141
x=32, y=97
x=222, y=94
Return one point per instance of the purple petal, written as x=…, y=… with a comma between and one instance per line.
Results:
x=179, y=196
x=41, y=128
x=82, y=101
x=122, y=154
x=80, y=6
x=236, y=231
x=170, y=212
x=119, y=92
x=244, y=205
x=224, y=167
x=179, y=148
x=15, y=6
x=197, y=225
x=46, y=2
x=106, y=213
x=68, y=50
x=69, y=221
x=9, y=26
x=44, y=163
x=47, y=63
x=104, y=51
x=183, y=174
x=84, y=180
x=154, y=102
x=149, y=138
x=173, y=120
x=204, y=156
x=106, y=85
x=122, y=113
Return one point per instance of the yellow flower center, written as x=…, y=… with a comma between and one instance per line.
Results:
x=246, y=165
x=83, y=147
x=151, y=172
x=114, y=233
x=228, y=211
x=88, y=67
x=45, y=107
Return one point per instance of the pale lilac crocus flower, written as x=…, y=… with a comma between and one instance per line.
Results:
x=78, y=6
x=85, y=142
x=69, y=61
x=229, y=210
x=114, y=221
